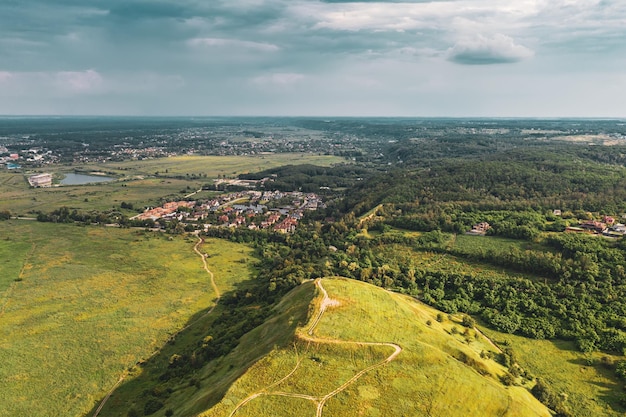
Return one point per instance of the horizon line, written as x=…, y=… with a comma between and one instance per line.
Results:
x=242, y=116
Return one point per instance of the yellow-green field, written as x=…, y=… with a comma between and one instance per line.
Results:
x=136, y=183
x=83, y=304
x=439, y=372
x=591, y=390
x=211, y=166
x=213, y=380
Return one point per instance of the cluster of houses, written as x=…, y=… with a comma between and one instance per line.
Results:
x=33, y=157
x=607, y=227
x=241, y=209
x=167, y=211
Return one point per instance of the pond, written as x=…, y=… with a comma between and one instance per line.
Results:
x=80, y=179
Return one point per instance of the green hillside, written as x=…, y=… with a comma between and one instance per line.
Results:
x=366, y=351
x=80, y=305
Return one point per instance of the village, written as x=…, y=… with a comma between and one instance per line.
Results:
x=265, y=210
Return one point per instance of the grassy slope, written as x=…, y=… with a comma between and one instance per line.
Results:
x=19, y=198
x=93, y=301
x=425, y=379
x=591, y=390
x=214, y=379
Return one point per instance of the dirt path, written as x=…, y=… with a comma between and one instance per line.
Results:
x=9, y=291
x=321, y=401
x=173, y=336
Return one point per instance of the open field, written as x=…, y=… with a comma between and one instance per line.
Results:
x=472, y=244
x=438, y=371
x=177, y=177
x=211, y=166
x=92, y=302
x=591, y=390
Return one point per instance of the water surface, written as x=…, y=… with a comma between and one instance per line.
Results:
x=79, y=179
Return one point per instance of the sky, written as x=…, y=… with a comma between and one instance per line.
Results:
x=441, y=58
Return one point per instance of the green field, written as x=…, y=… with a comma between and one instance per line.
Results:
x=136, y=182
x=473, y=244
x=590, y=388
x=207, y=385
x=438, y=372
x=211, y=166
x=92, y=302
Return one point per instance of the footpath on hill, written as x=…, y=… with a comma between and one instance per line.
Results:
x=309, y=336
x=217, y=299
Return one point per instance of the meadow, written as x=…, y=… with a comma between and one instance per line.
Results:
x=85, y=304
x=137, y=184
x=590, y=388
x=211, y=166
x=438, y=372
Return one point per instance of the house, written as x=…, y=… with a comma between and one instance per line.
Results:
x=593, y=226
x=479, y=229
x=608, y=220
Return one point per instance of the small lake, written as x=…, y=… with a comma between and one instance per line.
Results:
x=80, y=179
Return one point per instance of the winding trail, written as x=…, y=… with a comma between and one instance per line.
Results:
x=173, y=336
x=321, y=400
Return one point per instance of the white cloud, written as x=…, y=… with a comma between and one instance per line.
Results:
x=481, y=50
x=232, y=43
x=79, y=81
x=278, y=79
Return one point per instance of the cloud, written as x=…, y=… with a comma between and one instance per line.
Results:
x=5, y=76
x=49, y=84
x=384, y=56
x=232, y=43
x=80, y=82
x=278, y=79
x=483, y=50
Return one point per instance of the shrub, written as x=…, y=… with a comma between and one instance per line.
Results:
x=152, y=406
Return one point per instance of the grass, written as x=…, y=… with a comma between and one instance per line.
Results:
x=13, y=250
x=137, y=184
x=444, y=262
x=473, y=244
x=591, y=390
x=213, y=380
x=211, y=166
x=437, y=373
x=91, y=303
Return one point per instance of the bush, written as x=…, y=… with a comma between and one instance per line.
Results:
x=152, y=406
x=468, y=321
x=620, y=370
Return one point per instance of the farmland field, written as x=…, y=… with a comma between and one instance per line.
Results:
x=90, y=303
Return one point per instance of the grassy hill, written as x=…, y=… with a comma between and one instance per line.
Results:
x=347, y=361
